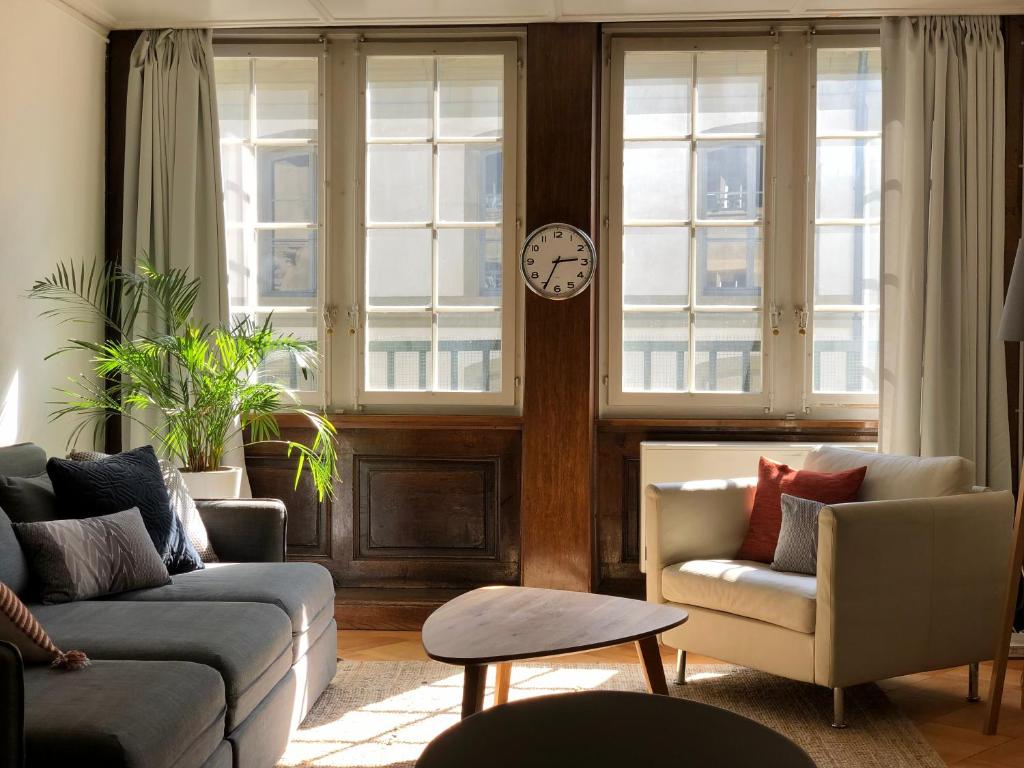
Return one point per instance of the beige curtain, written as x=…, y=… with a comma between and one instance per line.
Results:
x=173, y=201
x=943, y=367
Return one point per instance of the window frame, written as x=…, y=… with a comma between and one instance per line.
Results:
x=227, y=50
x=616, y=399
x=510, y=224
x=816, y=402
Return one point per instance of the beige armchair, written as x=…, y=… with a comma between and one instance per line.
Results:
x=910, y=577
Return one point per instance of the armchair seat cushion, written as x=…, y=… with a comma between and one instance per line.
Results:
x=744, y=588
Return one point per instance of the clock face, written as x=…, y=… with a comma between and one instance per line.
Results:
x=557, y=261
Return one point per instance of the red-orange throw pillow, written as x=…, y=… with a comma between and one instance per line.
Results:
x=773, y=480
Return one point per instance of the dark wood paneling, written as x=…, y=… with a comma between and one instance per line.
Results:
x=419, y=508
x=562, y=81
x=412, y=508
x=1013, y=29
x=618, y=467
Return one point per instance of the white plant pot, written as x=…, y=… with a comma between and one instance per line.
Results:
x=223, y=483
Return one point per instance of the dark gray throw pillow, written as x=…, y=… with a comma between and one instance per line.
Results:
x=28, y=499
x=129, y=479
x=80, y=559
x=797, y=550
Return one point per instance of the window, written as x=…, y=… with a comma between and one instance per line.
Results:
x=269, y=109
x=717, y=295
x=846, y=232
x=439, y=224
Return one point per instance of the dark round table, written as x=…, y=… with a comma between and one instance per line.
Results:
x=614, y=729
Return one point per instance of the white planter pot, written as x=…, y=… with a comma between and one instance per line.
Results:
x=223, y=483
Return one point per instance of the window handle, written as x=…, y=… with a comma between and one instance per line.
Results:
x=774, y=318
x=801, y=320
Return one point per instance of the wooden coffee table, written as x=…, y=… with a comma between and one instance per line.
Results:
x=611, y=729
x=499, y=625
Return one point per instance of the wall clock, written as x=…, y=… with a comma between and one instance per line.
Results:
x=557, y=261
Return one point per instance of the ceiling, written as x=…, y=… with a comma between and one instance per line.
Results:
x=136, y=14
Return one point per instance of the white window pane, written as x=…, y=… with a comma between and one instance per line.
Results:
x=846, y=265
x=469, y=177
x=398, y=351
x=236, y=197
x=470, y=95
x=239, y=273
x=400, y=96
x=727, y=354
x=656, y=94
x=655, y=265
x=846, y=352
x=730, y=92
x=232, y=77
x=656, y=181
x=287, y=267
x=398, y=267
x=469, y=352
x=286, y=184
x=849, y=93
x=729, y=267
x=469, y=267
x=286, y=98
x=282, y=367
x=654, y=350
x=399, y=179
x=730, y=179
x=849, y=178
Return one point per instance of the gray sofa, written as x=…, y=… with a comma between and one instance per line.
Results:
x=213, y=670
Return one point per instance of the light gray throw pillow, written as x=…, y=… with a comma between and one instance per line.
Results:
x=81, y=559
x=797, y=550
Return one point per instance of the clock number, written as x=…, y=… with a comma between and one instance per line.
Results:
x=534, y=275
x=579, y=275
x=558, y=289
x=570, y=285
x=529, y=262
x=583, y=262
x=558, y=234
x=534, y=248
x=579, y=248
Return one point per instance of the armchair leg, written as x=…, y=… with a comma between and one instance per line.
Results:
x=972, y=682
x=838, y=709
x=680, y=667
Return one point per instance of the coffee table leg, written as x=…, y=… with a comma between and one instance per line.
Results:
x=502, y=680
x=650, y=662
x=474, y=680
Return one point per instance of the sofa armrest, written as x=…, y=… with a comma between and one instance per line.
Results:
x=909, y=585
x=12, y=707
x=246, y=530
x=696, y=520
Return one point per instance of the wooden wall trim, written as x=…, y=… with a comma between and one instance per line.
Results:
x=345, y=421
x=562, y=79
x=732, y=427
x=1013, y=33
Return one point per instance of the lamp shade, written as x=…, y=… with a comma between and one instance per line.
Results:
x=1012, y=327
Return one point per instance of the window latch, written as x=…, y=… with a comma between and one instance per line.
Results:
x=801, y=320
x=774, y=318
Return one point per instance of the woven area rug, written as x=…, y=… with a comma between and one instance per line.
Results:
x=379, y=713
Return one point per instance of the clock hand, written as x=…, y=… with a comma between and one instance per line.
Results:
x=554, y=266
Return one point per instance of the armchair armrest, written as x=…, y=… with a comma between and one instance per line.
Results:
x=696, y=520
x=12, y=707
x=909, y=585
x=246, y=530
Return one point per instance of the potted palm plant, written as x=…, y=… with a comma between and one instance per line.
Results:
x=191, y=387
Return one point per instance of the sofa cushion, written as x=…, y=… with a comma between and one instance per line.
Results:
x=124, y=714
x=129, y=479
x=28, y=499
x=744, y=588
x=22, y=460
x=14, y=570
x=248, y=643
x=304, y=591
x=891, y=476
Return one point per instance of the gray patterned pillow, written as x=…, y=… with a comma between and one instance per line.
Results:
x=80, y=559
x=181, y=503
x=797, y=550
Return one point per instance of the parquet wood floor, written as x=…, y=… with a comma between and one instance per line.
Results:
x=933, y=700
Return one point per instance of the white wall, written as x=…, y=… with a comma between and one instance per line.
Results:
x=51, y=199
